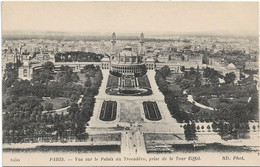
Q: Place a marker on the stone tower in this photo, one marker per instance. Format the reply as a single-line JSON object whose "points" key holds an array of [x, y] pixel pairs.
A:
{"points": [[113, 49], [142, 49], [25, 71]]}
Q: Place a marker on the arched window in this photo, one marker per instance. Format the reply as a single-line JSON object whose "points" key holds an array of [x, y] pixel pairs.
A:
{"points": [[25, 73]]}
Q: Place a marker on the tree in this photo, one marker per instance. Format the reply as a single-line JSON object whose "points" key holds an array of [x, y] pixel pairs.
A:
{"points": [[87, 82], [73, 108], [212, 75], [48, 66], [43, 75], [195, 109], [214, 125], [182, 68], [21, 88], [239, 112], [197, 81], [64, 104], [253, 105], [74, 77], [165, 71], [186, 83], [74, 97], [178, 79], [206, 72], [48, 106], [38, 108], [193, 130], [186, 75], [68, 76], [192, 70], [198, 69], [162, 84], [204, 101], [190, 131], [224, 128], [230, 78], [172, 101], [44, 118], [62, 68], [11, 75]]}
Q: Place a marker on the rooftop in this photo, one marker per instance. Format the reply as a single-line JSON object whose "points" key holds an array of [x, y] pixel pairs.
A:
{"points": [[231, 66]]}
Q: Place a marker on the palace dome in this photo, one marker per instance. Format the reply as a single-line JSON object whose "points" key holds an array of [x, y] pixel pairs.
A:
{"points": [[127, 53], [128, 61]]}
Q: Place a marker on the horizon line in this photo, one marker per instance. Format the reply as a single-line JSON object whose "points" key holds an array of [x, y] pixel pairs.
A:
{"points": [[212, 32]]}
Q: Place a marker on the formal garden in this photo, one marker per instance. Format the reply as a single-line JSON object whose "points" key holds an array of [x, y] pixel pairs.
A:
{"points": [[151, 111], [141, 86], [108, 111]]}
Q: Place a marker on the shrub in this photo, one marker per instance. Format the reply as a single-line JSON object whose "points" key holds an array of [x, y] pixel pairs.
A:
{"points": [[195, 109], [48, 106]]}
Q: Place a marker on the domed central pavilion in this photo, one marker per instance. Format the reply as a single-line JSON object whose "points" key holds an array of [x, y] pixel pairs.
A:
{"points": [[128, 71], [127, 61]]}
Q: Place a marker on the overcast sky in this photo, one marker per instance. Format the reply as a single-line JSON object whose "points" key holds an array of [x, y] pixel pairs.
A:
{"points": [[130, 16]]}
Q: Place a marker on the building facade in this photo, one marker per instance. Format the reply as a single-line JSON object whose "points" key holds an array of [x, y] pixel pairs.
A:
{"points": [[128, 61]]}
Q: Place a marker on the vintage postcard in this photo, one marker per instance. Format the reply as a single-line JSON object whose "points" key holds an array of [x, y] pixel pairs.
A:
{"points": [[130, 83]]}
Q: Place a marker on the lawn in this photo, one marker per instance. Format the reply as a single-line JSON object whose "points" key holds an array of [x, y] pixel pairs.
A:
{"points": [[128, 83], [57, 102], [144, 82], [172, 77], [213, 102], [186, 106], [130, 111], [106, 137], [174, 87], [112, 81]]}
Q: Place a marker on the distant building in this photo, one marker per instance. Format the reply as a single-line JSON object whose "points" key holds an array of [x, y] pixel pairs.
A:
{"points": [[9, 56], [231, 68], [251, 66], [25, 72], [42, 58]]}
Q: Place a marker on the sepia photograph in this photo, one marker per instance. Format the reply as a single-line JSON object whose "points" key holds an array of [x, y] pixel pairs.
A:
{"points": [[136, 83]]}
